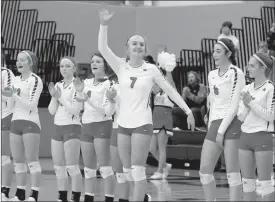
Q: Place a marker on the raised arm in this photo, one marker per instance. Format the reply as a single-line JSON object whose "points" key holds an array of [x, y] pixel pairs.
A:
{"points": [[268, 112], [238, 82], [170, 91], [114, 61], [34, 95]]}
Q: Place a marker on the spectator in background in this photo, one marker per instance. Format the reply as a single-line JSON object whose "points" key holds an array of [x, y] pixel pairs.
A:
{"points": [[271, 38], [194, 94], [226, 33], [263, 47]]}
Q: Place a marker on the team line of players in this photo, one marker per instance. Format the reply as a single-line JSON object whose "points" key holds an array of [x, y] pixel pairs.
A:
{"points": [[240, 122]]}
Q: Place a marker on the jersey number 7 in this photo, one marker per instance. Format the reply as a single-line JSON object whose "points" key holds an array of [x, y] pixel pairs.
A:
{"points": [[134, 79]]}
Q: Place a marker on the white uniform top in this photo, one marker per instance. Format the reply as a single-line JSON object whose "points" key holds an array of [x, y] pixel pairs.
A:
{"points": [[224, 95], [162, 99], [135, 86], [259, 116], [7, 80], [116, 114], [65, 110], [97, 108], [26, 101]]}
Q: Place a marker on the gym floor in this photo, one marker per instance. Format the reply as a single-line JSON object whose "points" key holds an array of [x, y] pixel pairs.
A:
{"points": [[181, 185]]}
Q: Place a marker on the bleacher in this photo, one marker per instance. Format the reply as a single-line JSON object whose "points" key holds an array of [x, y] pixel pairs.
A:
{"points": [[22, 31]]}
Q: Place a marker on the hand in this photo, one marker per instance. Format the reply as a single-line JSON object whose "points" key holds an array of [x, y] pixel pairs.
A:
{"points": [[111, 93], [78, 85], [246, 98], [205, 119], [104, 14], [219, 140], [54, 92], [8, 91], [191, 122]]}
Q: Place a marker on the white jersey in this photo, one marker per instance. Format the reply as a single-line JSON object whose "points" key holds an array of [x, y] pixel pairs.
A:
{"points": [[225, 92], [259, 116], [116, 114], [97, 108], [65, 110], [26, 100], [7, 80], [162, 99], [135, 84]]}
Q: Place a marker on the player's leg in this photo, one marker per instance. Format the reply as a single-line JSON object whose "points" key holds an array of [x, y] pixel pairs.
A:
{"points": [[209, 157], [72, 153], [162, 143], [140, 143], [18, 156], [264, 156], [122, 183], [102, 149], [89, 161], [6, 164]]}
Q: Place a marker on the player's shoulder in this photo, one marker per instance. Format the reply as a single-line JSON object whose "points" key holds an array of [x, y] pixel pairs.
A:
{"points": [[235, 70], [213, 72], [270, 85], [35, 78], [88, 81]]}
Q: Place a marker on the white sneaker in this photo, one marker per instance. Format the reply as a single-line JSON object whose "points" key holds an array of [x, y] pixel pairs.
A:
{"points": [[176, 129], [4, 198], [157, 176], [166, 170], [30, 199], [14, 199]]}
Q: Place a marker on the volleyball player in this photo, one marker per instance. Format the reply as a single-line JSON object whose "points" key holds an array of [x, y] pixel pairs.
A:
{"points": [[7, 167], [225, 84], [162, 117], [257, 113], [65, 144], [25, 126], [97, 128], [136, 78]]}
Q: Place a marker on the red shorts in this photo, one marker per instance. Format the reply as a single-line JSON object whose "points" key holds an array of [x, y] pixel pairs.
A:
{"points": [[233, 131], [67, 132], [6, 123], [145, 130], [101, 129], [21, 127], [114, 137], [260, 141]]}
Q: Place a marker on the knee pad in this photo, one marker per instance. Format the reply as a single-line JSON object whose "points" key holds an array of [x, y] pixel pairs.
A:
{"points": [[234, 179], [106, 171], [266, 187], [120, 178], [20, 168], [206, 178], [127, 174], [138, 173], [89, 173], [60, 172], [34, 167], [73, 170], [5, 160], [249, 185]]}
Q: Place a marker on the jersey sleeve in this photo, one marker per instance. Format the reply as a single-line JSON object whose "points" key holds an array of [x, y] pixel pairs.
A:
{"points": [[268, 112], [72, 106], [114, 61], [238, 82], [53, 104], [243, 110], [36, 88], [7, 78], [160, 80]]}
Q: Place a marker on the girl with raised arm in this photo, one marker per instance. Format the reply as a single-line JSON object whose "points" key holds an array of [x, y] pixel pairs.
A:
{"points": [[135, 126]]}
